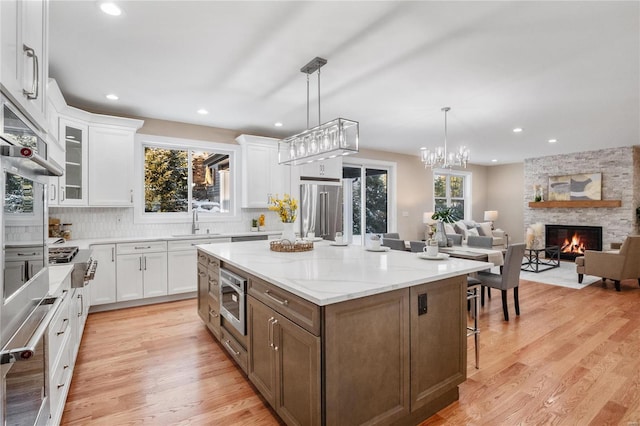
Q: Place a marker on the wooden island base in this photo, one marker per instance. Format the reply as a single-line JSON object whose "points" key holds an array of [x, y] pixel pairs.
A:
{"points": [[392, 358]]}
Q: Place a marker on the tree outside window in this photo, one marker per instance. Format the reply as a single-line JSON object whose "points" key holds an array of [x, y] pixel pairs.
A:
{"points": [[449, 191]]}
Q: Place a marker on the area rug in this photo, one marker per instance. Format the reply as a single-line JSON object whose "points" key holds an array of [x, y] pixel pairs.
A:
{"points": [[564, 276]]}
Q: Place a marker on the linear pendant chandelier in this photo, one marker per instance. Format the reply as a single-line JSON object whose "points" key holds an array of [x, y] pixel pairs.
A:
{"points": [[441, 157], [329, 140]]}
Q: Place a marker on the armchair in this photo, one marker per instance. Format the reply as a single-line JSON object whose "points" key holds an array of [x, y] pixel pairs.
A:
{"points": [[616, 266]]}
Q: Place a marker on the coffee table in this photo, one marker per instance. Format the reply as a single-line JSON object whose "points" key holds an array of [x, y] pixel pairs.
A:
{"points": [[533, 262]]}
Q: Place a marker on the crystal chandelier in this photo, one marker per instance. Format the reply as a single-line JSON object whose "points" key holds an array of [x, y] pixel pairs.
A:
{"points": [[441, 157], [327, 140]]}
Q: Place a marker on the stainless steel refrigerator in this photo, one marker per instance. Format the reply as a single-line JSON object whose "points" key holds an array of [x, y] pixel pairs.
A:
{"points": [[320, 210]]}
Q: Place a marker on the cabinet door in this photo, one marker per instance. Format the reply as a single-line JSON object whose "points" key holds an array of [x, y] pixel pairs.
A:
{"points": [[203, 291], [329, 168], [73, 184], [434, 371], [154, 268], [34, 61], [256, 176], [261, 368], [298, 372], [103, 286], [182, 271], [9, 25], [129, 277], [110, 166], [56, 153]]}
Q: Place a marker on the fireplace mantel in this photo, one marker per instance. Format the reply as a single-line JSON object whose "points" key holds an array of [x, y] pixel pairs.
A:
{"points": [[574, 204]]}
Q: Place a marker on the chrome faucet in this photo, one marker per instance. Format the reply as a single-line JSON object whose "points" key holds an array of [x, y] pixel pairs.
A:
{"points": [[194, 222]]}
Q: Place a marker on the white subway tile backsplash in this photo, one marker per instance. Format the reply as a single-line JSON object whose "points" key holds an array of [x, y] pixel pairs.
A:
{"points": [[99, 222]]}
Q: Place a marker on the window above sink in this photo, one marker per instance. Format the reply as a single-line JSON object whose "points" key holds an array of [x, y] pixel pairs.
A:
{"points": [[177, 177]]}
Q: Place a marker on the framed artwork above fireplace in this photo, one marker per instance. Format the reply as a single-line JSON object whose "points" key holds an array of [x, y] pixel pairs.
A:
{"points": [[585, 186]]}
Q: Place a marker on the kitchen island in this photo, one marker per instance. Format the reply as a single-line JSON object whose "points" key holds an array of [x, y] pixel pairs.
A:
{"points": [[341, 335]]}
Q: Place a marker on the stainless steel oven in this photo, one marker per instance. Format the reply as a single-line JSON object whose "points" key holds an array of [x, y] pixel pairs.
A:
{"points": [[233, 290], [25, 312]]}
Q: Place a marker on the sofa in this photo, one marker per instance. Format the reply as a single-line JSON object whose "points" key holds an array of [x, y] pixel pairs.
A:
{"points": [[465, 228]]}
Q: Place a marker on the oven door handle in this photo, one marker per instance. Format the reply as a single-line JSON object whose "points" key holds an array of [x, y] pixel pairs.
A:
{"points": [[25, 353]]}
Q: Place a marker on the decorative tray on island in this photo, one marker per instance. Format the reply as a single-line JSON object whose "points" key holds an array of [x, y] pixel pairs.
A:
{"points": [[287, 246]]}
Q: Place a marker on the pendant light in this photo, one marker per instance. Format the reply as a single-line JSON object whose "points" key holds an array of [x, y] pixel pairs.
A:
{"points": [[441, 157]]}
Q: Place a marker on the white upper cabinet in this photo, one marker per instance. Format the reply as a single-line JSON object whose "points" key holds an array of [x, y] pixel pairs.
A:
{"points": [[262, 176], [111, 164], [330, 168], [72, 188], [24, 54]]}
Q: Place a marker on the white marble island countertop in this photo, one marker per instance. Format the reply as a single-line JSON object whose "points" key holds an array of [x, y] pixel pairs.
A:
{"points": [[331, 274]]}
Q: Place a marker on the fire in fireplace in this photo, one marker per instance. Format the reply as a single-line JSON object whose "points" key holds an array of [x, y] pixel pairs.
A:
{"points": [[573, 240]]}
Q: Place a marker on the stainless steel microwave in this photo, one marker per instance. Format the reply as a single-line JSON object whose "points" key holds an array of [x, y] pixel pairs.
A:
{"points": [[17, 130]]}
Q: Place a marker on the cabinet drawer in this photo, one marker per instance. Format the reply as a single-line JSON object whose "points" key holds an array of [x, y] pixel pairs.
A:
{"points": [[59, 329], [208, 261], [141, 247], [61, 377], [213, 321], [214, 286], [190, 244], [234, 348], [295, 308]]}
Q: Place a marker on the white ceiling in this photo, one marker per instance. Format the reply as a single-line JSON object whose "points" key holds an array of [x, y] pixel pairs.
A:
{"points": [[564, 70]]}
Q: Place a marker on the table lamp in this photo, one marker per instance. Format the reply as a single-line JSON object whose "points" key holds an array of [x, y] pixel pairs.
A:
{"points": [[491, 216]]}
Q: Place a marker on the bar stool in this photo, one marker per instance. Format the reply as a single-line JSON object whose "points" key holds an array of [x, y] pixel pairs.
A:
{"points": [[473, 295]]}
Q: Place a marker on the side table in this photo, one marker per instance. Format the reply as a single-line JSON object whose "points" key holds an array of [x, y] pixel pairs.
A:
{"points": [[533, 262]]}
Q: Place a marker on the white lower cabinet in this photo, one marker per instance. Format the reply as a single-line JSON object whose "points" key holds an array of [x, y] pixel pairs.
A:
{"points": [[141, 270], [103, 285], [63, 341], [182, 263]]}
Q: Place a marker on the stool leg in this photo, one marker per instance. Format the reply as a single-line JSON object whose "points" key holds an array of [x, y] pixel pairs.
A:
{"points": [[515, 300], [580, 278]]}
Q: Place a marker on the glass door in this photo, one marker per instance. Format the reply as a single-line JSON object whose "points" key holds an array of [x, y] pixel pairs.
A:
{"points": [[73, 185], [366, 200]]}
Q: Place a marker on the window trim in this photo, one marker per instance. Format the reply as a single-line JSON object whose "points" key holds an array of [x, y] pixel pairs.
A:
{"points": [[142, 141], [467, 188]]}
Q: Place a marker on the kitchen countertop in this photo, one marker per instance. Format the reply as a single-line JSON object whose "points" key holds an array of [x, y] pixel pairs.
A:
{"points": [[57, 274], [85, 243], [331, 274]]}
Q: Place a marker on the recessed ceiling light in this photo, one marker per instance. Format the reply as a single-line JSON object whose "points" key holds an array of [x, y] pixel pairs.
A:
{"points": [[202, 111], [278, 124], [494, 160], [553, 140], [112, 97], [517, 130], [110, 9]]}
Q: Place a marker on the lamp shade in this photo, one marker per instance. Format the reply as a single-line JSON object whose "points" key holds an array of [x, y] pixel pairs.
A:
{"points": [[426, 218], [491, 215]]}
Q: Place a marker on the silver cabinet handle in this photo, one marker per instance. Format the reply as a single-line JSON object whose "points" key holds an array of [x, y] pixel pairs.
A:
{"points": [[270, 331], [227, 343], [35, 85], [283, 302], [113, 254], [142, 247], [140, 263], [131, 194], [62, 194], [53, 192], [273, 334], [27, 254], [145, 262], [63, 327], [81, 305], [213, 313], [60, 385]]}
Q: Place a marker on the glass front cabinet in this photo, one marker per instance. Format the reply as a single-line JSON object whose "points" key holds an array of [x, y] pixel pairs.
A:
{"points": [[72, 186]]}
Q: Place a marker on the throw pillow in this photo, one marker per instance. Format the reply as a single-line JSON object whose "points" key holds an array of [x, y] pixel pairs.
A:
{"points": [[473, 231], [448, 229], [484, 229], [460, 228]]}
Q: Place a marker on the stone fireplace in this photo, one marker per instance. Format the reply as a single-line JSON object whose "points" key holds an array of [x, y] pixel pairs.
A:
{"points": [[573, 240]]}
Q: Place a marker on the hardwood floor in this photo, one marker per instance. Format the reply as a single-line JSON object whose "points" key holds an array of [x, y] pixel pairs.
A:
{"points": [[571, 358]]}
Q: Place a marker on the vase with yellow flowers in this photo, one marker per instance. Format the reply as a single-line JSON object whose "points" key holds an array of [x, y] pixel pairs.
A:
{"points": [[287, 208]]}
